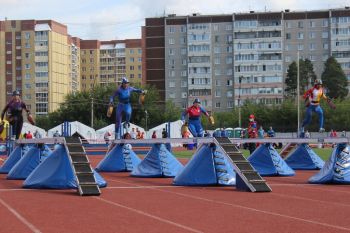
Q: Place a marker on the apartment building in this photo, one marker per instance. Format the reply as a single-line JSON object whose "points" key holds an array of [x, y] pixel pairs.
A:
{"points": [[105, 62], [228, 59], [35, 60]]}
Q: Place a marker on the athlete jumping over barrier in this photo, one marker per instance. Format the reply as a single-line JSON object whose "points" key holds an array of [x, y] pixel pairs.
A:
{"points": [[14, 110], [123, 93], [194, 114], [312, 99]]}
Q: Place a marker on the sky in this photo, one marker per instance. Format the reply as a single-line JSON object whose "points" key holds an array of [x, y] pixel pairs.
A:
{"points": [[122, 19]]}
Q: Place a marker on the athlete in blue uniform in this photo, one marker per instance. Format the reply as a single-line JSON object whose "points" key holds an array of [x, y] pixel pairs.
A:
{"points": [[123, 93], [194, 114]]}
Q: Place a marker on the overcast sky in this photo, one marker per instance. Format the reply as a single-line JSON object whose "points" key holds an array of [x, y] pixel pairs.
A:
{"points": [[122, 19]]}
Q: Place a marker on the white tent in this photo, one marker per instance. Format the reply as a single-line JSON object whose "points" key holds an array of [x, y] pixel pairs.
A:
{"points": [[76, 127], [111, 128], [32, 128], [175, 129]]}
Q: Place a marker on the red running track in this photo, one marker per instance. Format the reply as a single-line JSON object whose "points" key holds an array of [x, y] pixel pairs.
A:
{"points": [[131, 204]]}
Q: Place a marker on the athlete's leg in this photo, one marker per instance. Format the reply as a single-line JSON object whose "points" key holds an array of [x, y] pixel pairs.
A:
{"points": [[118, 120], [319, 111], [192, 128], [307, 119]]}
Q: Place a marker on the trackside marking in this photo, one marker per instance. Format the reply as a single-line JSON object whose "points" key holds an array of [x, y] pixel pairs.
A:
{"points": [[143, 187], [149, 215], [257, 210], [20, 217], [249, 208], [313, 186]]}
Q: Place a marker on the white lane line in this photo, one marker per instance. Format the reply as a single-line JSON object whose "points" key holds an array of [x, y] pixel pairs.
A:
{"points": [[315, 187], [259, 211], [309, 199], [20, 217], [149, 215], [142, 187], [249, 208]]}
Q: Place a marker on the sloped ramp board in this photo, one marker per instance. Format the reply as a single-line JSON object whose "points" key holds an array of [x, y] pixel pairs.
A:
{"points": [[247, 179], [13, 158], [159, 162], [287, 149], [207, 167], [120, 158], [56, 172], [304, 158], [336, 169], [266, 160], [84, 175]]}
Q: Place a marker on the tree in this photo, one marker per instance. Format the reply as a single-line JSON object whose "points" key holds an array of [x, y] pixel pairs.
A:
{"points": [[306, 77], [334, 79]]}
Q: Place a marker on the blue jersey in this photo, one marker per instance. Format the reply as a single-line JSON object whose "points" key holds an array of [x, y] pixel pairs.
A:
{"points": [[124, 94]]}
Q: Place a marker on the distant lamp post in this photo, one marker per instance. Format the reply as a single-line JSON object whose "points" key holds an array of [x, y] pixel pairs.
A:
{"points": [[239, 101], [146, 116]]}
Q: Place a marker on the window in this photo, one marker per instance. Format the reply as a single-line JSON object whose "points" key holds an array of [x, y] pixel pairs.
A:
{"points": [[172, 84], [139, 59], [217, 82], [217, 60], [324, 35], [171, 29], [312, 24], [300, 35], [139, 76], [216, 27], [132, 59], [27, 45], [171, 52], [312, 35], [139, 51], [184, 62], [300, 24], [183, 51], [27, 76], [183, 40], [183, 29], [229, 104], [288, 24], [132, 68], [325, 45], [27, 55], [131, 51], [171, 41], [217, 49], [184, 73], [312, 46], [27, 86], [287, 59], [229, 82], [184, 83], [139, 68], [228, 27], [132, 76], [288, 36], [27, 35], [218, 93], [217, 104], [27, 66], [300, 46], [325, 23]]}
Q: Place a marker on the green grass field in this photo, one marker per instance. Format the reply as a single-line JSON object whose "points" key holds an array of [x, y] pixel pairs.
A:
{"points": [[324, 153]]}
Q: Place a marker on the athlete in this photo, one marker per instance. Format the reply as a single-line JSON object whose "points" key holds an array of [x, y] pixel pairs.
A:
{"points": [[123, 93], [194, 114], [252, 132], [14, 110], [312, 99]]}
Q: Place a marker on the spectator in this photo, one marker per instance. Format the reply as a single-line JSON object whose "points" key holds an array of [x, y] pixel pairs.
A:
{"points": [[164, 133], [37, 134], [142, 136], [56, 134], [106, 137], [154, 135], [29, 135], [333, 134], [223, 133], [307, 134], [127, 135], [206, 134], [261, 132], [133, 133], [138, 133], [271, 133]]}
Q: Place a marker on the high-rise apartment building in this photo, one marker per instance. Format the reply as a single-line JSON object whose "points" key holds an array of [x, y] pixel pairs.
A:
{"points": [[226, 58], [104, 62], [35, 59]]}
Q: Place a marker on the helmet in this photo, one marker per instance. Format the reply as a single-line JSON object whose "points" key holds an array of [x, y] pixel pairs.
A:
{"points": [[196, 100], [125, 80], [15, 93], [318, 82], [251, 116]]}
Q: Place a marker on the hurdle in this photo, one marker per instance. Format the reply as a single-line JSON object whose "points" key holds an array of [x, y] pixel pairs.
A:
{"points": [[82, 171]]}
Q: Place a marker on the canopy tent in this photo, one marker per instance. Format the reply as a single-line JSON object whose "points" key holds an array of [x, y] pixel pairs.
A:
{"points": [[175, 129], [84, 131], [111, 128], [32, 128]]}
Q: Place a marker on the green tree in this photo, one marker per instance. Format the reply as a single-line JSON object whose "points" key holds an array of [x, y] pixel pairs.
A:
{"points": [[334, 79], [306, 77]]}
